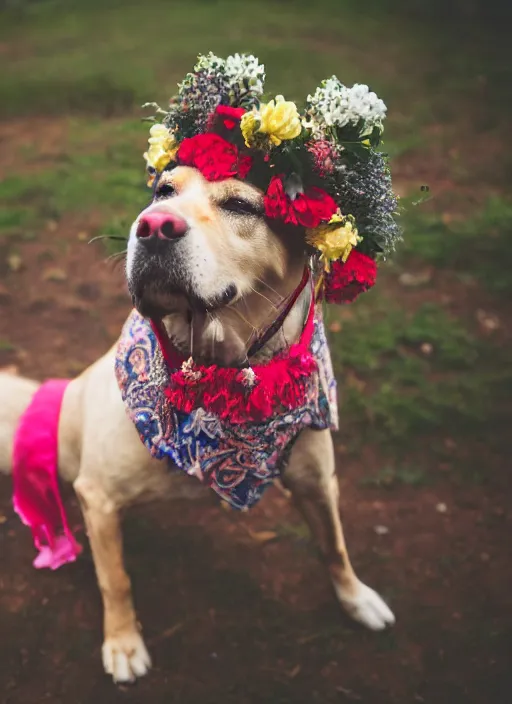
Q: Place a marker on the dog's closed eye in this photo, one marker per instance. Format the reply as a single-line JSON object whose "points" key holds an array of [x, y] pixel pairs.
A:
{"points": [[166, 190], [239, 206]]}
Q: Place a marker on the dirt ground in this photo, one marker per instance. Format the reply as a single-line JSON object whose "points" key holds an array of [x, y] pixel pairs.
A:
{"points": [[237, 608]]}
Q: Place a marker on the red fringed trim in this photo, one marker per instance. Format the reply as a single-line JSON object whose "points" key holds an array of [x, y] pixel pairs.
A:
{"points": [[227, 392], [245, 395]]}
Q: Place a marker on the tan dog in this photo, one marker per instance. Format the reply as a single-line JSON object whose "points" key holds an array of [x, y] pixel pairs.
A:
{"points": [[203, 257]]}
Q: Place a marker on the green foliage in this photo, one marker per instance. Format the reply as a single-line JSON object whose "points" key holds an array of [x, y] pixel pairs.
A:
{"points": [[390, 477], [479, 244], [407, 375], [109, 180]]}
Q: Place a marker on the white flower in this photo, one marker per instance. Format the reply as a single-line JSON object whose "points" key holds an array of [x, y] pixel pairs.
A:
{"points": [[209, 62], [337, 106], [240, 67], [248, 377]]}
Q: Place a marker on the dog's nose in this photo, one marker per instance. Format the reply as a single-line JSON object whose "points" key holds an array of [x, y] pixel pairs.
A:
{"points": [[165, 226]]}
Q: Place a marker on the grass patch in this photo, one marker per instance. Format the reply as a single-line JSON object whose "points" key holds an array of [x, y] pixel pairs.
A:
{"points": [[109, 180], [6, 346], [479, 245], [409, 375], [390, 477]]}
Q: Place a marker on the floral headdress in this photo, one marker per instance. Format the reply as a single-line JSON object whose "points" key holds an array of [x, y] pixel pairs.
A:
{"points": [[320, 170]]}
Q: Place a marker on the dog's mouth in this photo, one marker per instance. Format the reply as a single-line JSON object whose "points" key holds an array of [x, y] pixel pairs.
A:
{"points": [[160, 302]]}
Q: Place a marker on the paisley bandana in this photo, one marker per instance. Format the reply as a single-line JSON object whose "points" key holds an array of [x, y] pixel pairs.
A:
{"points": [[238, 461]]}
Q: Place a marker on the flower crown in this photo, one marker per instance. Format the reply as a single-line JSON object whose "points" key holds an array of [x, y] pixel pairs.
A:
{"points": [[319, 169]]}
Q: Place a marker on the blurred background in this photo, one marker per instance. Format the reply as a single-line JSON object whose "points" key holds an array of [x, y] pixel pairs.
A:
{"points": [[236, 608]]}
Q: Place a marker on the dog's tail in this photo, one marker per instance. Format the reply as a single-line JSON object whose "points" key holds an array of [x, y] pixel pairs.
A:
{"points": [[15, 396]]}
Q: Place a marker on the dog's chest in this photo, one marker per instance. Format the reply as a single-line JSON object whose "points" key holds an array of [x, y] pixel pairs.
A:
{"points": [[238, 461]]}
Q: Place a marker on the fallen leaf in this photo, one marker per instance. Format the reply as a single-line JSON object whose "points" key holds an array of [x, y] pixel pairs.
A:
{"points": [[262, 536], [167, 633], [488, 321], [348, 693], [54, 274], [73, 304], [419, 278], [381, 530], [294, 672], [15, 262]]}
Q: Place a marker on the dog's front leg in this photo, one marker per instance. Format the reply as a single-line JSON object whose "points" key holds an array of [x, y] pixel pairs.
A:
{"points": [[124, 654], [311, 478]]}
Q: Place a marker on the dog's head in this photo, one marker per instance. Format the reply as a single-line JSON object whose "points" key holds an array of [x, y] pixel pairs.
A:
{"points": [[212, 249], [204, 245], [201, 247]]}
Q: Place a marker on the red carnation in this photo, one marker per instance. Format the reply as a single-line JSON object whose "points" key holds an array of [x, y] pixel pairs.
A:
{"points": [[308, 209], [215, 157], [230, 116], [346, 281]]}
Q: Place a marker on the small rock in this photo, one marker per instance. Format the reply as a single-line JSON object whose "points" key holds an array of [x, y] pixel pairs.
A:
{"points": [[488, 321], [427, 348], [441, 508], [74, 305], [419, 278], [381, 530], [14, 262], [54, 274]]}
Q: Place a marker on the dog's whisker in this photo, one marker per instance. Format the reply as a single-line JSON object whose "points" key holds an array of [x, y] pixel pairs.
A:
{"points": [[117, 255], [254, 330], [265, 298], [119, 238], [261, 281]]}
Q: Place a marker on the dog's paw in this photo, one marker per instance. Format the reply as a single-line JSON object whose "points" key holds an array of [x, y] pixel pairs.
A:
{"points": [[367, 607], [125, 657]]}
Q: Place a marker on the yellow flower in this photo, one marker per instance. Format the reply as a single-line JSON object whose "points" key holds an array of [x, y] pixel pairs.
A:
{"points": [[280, 120], [334, 240], [162, 147], [249, 125]]}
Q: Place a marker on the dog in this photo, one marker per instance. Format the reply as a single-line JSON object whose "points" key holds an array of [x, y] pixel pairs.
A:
{"points": [[204, 260]]}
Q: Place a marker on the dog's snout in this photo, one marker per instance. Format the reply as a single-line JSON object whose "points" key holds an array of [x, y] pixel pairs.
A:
{"points": [[165, 226]]}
